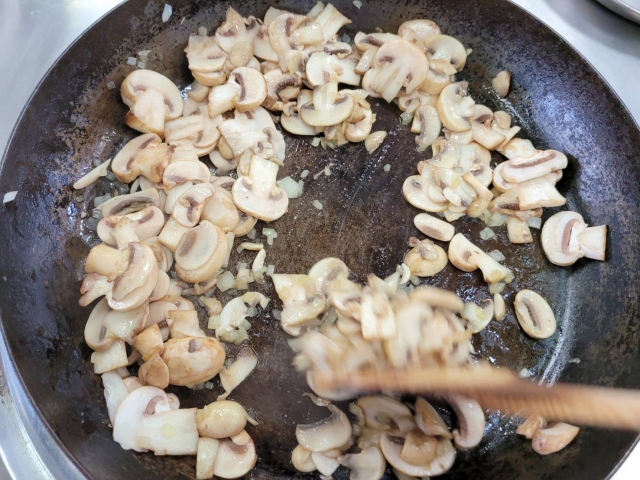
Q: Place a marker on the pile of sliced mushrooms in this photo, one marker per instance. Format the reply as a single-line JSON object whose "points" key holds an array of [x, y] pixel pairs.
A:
{"points": [[172, 234]]}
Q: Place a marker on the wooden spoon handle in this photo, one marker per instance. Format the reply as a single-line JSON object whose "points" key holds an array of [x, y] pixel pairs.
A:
{"points": [[500, 389]]}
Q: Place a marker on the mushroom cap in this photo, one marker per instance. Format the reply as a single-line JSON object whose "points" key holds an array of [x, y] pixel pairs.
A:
{"points": [[369, 464], [257, 194], [471, 421], [391, 447], [193, 360], [454, 107], [560, 237], [534, 314], [426, 259], [221, 419], [190, 205], [252, 88], [386, 413], [184, 171], [146, 223], [201, 252], [445, 51], [139, 82], [301, 298], [124, 165], [132, 287], [329, 107], [236, 456], [326, 434], [423, 29]]}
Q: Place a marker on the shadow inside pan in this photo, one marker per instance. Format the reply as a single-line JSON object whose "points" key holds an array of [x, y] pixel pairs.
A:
{"points": [[74, 120]]}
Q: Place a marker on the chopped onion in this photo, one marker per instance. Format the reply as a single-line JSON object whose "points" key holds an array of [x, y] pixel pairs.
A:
{"points": [[387, 168], [317, 204], [225, 281], [495, 220], [315, 142], [254, 247], [131, 61], [301, 186], [487, 234], [166, 13], [214, 322], [277, 314], [252, 234], [327, 170], [144, 53], [270, 233], [357, 4], [202, 31], [406, 118], [524, 373], [295, 344], [497, 255], [497, 287], [290, 187], [414, 279], [234, 336], [111, 85], [142, 65], [574, 360], [271, 269], [304, 174], [9, 196], [535, 222]]}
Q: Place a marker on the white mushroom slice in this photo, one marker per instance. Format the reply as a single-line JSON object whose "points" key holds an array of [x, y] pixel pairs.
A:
{"points": [[328, 106], [251, 87], [398, 64], [509, 204], [184, 324], [553, 438], [455, 189], [435, 82], [330, 20], [221, 98], [421, 30], [281, 88], [193, 360], [560, 238], [470, 421], [392, 445], [357, 131], [419, 449], [195, 131], [534, 314], [484, 196], [593, 242], [258, 195], [110, 359], [478, 317], [262, 46], [130, 203], [434, 227], [416, 191], [301, 459], [499, 306], [190, 204], [236, 29], [181, 172], [481, 128], [454, 106], [302, 300], [519, 231], [144, 421], [521, 169], [221, 419], [126, 165], [234, 313], [149, 339], [539, 192], [221, 211], [245, 224], [467, 257], [326, 434], [201, 252], [204, 55], [152, 98], [210, 79], [529, 427], [154, 371], [426, 122], [198, 92], [369, 464], [236, 456], [246, 130], [207, 452], [171, 234], [386, 413], [429, 420], [115, 391], [426, 259], [105, 326], [446, 54], [146, 223], [232, 376], [501, 83], [132, 383], [323, 67], [517, 147]]}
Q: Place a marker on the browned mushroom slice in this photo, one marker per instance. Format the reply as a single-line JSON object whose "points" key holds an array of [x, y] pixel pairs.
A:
{"points": [[193, 360]]}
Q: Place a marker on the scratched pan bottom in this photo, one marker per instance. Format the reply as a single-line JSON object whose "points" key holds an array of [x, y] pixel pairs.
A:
{"points": [[561, 103]]}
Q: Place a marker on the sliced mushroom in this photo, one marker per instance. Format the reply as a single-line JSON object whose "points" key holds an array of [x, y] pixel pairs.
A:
{"points": [[484, 196], [245, 130], [184, 324], [478, 317], [171, 234], [386, 413], [467, 257], [126, 164], [197, 132], [419, 31], [193, 360], [518, 230], [323, 67], [392, 445], [534, 314], [235, 30], [201, 252], [235, 312], [471, 421], [328, 107], [154, 372], [446, 54], [517, 147], [115, 391], [417, 188], [455, 106], [181, 173], [326, 434], [593, 242], [529, 427], [429, 420], [149, 339], [419, 449], [236, 456], [398, 64], [426, 122], [501, 83], [499, 306], [190, 205], [207, 452], [145, 421], [521, 169], [435, 82], [221, 419], [105, 326], [539, 192], [369, 464], [152, 98], [330, 20], [553, 438], [509, 204], [252, 88], [434, 227], [301, 459], [560, 238], [130, 203], [221, 211], [232, 376], [426, 259], [146, 223], [258, 195], [110, 359], [205, 55], [481, 128]]}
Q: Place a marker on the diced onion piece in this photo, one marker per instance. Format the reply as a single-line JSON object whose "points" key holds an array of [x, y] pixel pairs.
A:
{"points": [[315, 142], [290, 187], [271, 269], [497, 255], [524, 373], [277, 314], [131, 61], [357, 4], [374, 140], [111, 85], [230, 238], [270, 233], [9, 196], [254, 247], [317, 205], [487, 234], [166, 13], [535, 222], [304, 173], [225, 281], [202, 31], [387, 168], [497, 287], [214, 322]]}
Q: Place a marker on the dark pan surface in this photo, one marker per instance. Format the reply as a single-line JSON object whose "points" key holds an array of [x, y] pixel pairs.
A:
{"points": [[73, 119]]}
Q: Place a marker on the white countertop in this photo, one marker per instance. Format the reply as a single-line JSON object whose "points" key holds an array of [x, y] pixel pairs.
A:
{"points": [[35, 32]]}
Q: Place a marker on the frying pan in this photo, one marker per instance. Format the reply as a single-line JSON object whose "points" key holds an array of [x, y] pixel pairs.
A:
{"points": [[74, 120]]}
